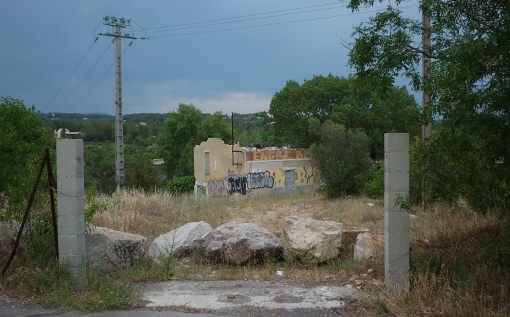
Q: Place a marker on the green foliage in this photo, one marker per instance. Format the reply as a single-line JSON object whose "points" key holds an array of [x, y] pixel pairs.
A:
{"points": [[181, 185], [183, 130], [214, 126], [23, 140], [141, 172], [100, 167], [351, 102], [178, 140], [371, 181], [456, 166], [468, 87], [52, 287], [93, 205], [341, 155]]}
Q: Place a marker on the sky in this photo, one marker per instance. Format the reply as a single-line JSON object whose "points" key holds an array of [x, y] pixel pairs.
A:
{"points": [[220, 55]]}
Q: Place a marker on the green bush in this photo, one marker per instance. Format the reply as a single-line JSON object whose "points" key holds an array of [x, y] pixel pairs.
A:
{"points": [[182, 185], [371, 181], [341, 155]]}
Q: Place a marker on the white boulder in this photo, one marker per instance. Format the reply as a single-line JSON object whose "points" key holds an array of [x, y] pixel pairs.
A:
{"points": [[238, 243], [180, 242], [310, 240]]}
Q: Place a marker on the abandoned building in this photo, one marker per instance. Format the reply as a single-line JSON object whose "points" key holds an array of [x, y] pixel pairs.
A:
{"points": [[223, 170]]}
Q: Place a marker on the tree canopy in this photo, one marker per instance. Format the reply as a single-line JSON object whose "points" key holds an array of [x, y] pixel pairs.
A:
{"points": [[23, 140], [351, 102], [468, 83], [183, 129]]}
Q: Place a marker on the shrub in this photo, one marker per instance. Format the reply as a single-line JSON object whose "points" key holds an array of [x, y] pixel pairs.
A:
{"points": [[341, 155], [182, 185], [371, 181]]}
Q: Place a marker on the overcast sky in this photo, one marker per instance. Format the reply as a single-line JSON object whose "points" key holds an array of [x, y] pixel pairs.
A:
{"points": [[220, 55]]}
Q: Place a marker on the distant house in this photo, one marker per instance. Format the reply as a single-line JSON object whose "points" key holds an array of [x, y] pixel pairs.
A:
{"points": [[68, 134], [223, 170]]}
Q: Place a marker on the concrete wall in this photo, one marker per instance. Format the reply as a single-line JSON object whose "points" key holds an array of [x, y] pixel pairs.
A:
{"points": [[254, 172]]}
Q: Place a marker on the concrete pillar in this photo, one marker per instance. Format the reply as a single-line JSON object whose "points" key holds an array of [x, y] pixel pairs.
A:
{"points": [[71, 206], [396, 221]]}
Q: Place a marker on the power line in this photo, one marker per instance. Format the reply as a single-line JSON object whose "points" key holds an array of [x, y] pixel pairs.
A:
{"points": [[79, 63], [94, 85], [100, 57], [240, 18], [274, 23], [72, 73]]}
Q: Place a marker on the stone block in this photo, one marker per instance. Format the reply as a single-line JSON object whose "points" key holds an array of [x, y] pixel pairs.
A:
{"points": [[396, 142]]}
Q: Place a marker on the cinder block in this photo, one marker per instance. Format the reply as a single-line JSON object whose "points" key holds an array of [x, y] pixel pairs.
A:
{"points": [[396, 261], [70, 244], [396, 241], [73, 166], [396, 182], [396, 142], [71, 224], [71, 186], [396, 221], [397, 282], [397, 162], [69, 149], [391, 201], [70, 206]]}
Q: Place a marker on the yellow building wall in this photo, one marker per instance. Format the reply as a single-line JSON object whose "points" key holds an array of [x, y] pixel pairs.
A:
{"points": [[265, 173]]}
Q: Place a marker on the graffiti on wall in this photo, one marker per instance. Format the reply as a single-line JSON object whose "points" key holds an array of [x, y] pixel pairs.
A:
{"points": [[308, 174], [218, 188], [237, 184], [260, 180], [273, 179]]}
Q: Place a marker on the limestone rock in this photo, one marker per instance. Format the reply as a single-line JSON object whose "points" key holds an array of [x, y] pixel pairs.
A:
{"points": [[310, 240], [238, 243], [368, 246], [109, 249], [180, 242]]}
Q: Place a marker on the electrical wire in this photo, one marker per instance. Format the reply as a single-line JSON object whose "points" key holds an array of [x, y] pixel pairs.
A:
{"points": [[273, 23], [100, 57], [72, 73], [209, 23], [239, 19], [74, 70], [94, 85]]}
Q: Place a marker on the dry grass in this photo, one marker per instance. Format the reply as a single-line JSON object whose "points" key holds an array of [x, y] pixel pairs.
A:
{"points": [[449, 277], [152, 214]]}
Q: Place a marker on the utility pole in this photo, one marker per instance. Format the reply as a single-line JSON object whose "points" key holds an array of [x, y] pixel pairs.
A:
{"points": [[427, 117], [426, 111], [118, 24]]}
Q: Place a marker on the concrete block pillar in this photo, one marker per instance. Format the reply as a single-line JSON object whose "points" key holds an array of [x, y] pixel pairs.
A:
{"points": [[396, 221], [71, 206]]}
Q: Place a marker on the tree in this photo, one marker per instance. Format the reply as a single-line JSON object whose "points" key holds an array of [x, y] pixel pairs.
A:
{"points": [[178, 140], [341, 155], [351, 102], [23, 140], [100, 167], [468, 85], [214, 126]]}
